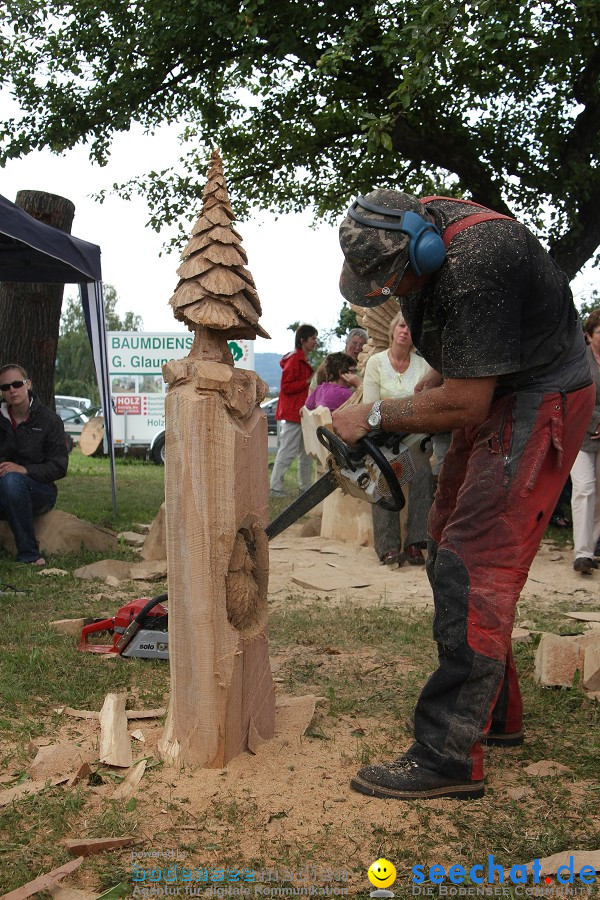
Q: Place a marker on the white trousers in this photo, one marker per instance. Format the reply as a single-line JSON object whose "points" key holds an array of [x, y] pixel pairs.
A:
{"points": [[290, 446], [585, 503]]}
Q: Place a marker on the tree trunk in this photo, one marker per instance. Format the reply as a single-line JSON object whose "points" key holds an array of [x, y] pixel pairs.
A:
{"points": [[29, 312]]}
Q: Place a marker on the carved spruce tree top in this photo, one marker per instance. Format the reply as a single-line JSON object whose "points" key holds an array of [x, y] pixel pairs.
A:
{"points": [[216, 290]]}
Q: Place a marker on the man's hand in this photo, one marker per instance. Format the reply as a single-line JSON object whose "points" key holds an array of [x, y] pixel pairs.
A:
{"points": [[433, 379], [350, 424], [6, 467]]}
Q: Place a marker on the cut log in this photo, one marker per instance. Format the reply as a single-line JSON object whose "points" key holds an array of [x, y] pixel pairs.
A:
{"points": [[117, 568], [60, 532], [89, 846], [115, 743], [44, 882]]}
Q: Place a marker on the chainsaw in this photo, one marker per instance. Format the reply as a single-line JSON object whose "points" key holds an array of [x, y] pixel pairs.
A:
{"points": [[374, 470]]}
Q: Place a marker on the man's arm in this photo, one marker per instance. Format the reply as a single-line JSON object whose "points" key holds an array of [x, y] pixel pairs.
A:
{"points": [[457, 403]]}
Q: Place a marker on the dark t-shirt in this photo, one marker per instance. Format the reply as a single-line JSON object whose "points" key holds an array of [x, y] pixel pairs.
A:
{"points": [[498, 306]]}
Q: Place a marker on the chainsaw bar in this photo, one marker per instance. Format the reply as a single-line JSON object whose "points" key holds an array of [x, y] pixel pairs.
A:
{"points": [[322, 488]]}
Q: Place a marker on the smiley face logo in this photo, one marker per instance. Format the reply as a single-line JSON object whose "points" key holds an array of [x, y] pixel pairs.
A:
{"points": [[382, 873]]}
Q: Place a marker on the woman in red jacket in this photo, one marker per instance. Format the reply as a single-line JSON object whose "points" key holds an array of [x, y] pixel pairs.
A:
{"points": [[292, 396]]}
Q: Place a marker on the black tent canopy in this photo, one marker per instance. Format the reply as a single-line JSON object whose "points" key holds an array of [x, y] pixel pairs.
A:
{"points": [[31, 251]]}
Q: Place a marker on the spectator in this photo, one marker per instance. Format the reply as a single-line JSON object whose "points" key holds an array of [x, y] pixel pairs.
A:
{"points": [[355, 341], [295, 379], [395, 373], [33, 455], [340, 380], [585, 474]]}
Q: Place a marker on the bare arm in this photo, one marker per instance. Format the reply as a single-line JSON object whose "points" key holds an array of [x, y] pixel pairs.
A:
{"points": [[457, 403]]}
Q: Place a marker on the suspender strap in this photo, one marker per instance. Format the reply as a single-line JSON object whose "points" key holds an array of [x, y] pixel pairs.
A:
{"points": [[475, 219]]}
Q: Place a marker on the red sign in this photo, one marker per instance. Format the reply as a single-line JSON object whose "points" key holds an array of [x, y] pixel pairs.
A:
{"points": [[131, 404]]}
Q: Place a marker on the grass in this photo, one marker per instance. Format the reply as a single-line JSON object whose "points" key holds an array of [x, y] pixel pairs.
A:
{"points": [[367, 664]]}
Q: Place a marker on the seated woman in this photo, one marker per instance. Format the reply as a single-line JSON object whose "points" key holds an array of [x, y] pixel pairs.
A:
{"points": [[33, 455], [395, 373], [337, 381]]}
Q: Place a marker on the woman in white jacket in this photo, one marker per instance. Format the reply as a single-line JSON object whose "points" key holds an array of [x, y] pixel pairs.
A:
{"points": [[395, 373]]}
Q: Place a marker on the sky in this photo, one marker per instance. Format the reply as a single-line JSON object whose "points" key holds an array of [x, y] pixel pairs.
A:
{"points": [[296, 268]]}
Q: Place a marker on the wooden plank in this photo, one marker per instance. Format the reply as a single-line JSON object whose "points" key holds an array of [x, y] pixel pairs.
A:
{"points": [[146, 713], [44, 882], [88, 846], [115, 743]]}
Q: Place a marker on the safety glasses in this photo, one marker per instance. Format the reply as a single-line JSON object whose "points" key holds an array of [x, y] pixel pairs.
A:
{"points": [[11, 384]]}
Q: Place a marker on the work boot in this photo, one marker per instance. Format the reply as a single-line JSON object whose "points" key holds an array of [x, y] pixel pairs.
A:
{"points": [[403, 779], [413, 555], [585, 565], [504, 739]]}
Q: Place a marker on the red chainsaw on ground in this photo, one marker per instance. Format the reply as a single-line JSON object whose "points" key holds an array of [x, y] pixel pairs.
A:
{"points": [[374, 470], [140, 628]]}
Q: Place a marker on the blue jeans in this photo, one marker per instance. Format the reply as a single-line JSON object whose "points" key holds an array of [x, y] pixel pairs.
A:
{"points": [[22, 498]]}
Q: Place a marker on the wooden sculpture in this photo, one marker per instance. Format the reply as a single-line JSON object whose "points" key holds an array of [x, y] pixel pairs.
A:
{"points": [[216, 492]]}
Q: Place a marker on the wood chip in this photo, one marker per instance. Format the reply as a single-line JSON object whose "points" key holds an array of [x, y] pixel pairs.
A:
{"points": [[54, 572], [138, 735], [88, 846], [311, 587], [81, 713], [68, 626], [115, 744], [44, 882], [584, 616], [130, 783], [546, 767]]}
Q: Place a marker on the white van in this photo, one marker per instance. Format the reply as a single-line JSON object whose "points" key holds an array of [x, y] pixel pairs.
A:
{"points": [[78, 402]]}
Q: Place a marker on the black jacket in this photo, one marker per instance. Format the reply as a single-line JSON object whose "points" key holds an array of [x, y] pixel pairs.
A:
{"points": [[38, 444]]}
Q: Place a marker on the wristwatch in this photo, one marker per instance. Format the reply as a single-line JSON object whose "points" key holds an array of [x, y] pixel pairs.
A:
{"points": [[374, 417]]}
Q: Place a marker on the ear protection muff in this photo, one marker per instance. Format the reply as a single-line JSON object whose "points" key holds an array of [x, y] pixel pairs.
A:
{"points": [[426, 249]]}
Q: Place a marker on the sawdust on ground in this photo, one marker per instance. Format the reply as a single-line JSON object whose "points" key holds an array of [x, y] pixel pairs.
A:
{"points": [[291, 800]]}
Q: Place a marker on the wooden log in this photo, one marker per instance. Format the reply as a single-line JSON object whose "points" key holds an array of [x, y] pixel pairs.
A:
{"points": [[43, 882], [115, 743], [216, 509]]}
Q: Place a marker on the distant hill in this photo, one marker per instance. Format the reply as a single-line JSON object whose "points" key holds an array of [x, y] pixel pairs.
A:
{"points": [[267, 366]]}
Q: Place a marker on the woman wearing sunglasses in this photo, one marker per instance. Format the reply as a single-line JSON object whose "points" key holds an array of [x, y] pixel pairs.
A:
{"points": [[33, 455]]}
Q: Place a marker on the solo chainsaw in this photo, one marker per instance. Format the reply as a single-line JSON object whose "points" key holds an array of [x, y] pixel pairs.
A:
{"points": [[374, 470]]}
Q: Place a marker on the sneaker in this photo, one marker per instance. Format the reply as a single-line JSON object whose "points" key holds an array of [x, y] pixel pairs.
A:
{"points": [[585, 565], [273, 493], [504, 738], [413, 555], [404, 779]]}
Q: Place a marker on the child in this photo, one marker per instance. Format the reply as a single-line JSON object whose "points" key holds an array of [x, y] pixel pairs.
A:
{"points": [[340, 380]]}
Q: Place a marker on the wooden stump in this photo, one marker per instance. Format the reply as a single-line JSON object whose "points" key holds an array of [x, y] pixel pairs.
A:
{"points": [[216, 508]]}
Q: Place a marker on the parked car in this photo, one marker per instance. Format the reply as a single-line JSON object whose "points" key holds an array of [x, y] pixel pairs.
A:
{"points": [[269, 406], [74, 420]]}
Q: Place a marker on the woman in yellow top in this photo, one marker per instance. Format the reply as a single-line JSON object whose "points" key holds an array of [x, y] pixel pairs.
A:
{"points": [[395, 373]]}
